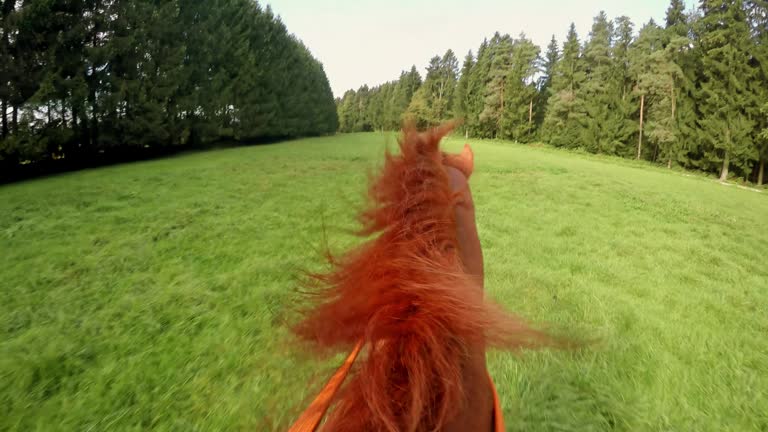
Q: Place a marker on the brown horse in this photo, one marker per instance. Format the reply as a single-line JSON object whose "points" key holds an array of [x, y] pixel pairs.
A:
{"points": [[411, 299]]}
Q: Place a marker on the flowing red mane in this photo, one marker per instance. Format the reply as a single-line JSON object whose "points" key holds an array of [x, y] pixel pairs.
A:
{"points": [[406, 295]]}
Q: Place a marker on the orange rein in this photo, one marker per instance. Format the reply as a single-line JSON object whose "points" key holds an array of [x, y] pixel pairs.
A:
{"points": [[311, 417], [309, 420]]}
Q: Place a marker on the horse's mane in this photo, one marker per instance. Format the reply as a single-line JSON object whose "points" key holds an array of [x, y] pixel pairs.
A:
{"points": [[406, 295]]}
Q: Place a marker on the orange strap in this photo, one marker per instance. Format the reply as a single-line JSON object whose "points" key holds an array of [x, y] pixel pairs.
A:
{"points": [[498, 418], [311, 417]]}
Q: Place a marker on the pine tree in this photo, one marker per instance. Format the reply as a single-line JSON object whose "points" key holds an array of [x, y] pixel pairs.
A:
{"points": [[724, 40], [406, 88], [757, 16], [603, 122], [496, 89], [676, 19], [419, 110], [461, 97], [640, 67], [551, 57], [347, 112], [432, 101], [624, 99], [426, 102], [623, 40], [663, 83], [548, 64], [679, 49], [7, 63], [445, 86], [478, 80], [517, 117], [119, 77], [561, 127]]}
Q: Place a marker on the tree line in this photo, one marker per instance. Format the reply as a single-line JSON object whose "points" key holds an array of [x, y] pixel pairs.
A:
{"points": [[690, 92], [82, 78]]}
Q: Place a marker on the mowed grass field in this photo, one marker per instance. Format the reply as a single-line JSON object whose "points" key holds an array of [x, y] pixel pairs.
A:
{"points": [[154, 295]]}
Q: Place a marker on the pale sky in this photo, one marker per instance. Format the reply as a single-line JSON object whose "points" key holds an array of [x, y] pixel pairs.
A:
{"points": [[369, 42]]}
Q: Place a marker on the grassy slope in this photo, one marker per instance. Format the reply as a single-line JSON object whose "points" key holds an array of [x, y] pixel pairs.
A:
{"points": [[152, 295]]}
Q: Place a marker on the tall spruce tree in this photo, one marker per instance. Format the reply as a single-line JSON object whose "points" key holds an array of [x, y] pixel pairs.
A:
{"points": [[548, 64], [561, 122], [478, 79], [724, 38], [649, 41], [624, 99], [663, 82], [445, 86], [496, 89], [431, 103], [603, 124], [757, 17], [520, 95], [407, 86], [680, 50], [461, 96]]}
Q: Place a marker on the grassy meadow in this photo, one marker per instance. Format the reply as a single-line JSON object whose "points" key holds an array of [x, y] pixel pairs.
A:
{"points": [[154, 295]]}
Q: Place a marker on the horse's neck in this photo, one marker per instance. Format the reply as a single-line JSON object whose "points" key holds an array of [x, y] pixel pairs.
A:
{"points": [[478, 412]]}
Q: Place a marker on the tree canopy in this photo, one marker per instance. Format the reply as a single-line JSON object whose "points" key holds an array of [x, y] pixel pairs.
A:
{"points": [[125, 77], [690, 92]]}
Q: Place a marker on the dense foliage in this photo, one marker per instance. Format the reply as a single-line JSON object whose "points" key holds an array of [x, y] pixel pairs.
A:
{"points": [[692, 92], [121, 77]]}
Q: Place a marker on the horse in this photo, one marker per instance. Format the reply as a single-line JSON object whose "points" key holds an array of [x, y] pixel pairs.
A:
{"points": [[408, 304]]}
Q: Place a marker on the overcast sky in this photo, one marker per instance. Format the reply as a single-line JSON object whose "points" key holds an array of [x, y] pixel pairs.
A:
{"points": [[368, 42]]}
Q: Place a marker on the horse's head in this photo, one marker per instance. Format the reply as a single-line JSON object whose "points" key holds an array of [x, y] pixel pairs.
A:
{"points": [[408, 298]]}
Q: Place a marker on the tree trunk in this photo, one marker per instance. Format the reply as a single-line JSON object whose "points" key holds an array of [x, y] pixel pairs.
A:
{"points": [[673, 122], [440, 101], [466, 133], [15, 119], [640, 140], [530, 117], [64, 113], [4, 108], [724, 172], [502, 99], [501, 112], [674, 101], [74, 119], [761, 172], [93, 124]]}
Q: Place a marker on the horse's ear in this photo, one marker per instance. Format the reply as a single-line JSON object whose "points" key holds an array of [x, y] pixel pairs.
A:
{"points": [[468, 156], [464, 161]]}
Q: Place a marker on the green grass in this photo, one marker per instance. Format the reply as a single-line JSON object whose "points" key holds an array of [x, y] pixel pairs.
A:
{"points": [[153, 295]]}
